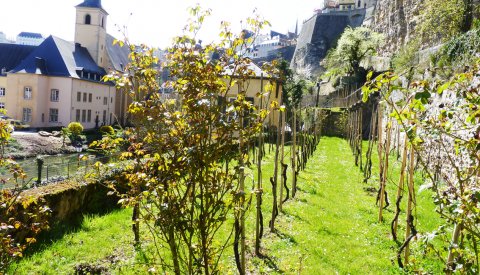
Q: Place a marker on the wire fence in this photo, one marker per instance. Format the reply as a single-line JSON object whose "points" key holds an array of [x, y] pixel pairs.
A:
{"points": [[76, 166], [344, 102]]}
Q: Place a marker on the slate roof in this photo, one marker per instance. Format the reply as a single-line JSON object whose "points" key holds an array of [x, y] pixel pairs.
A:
{"points": [[30, 34], [118, 55], [57, 57], [91, 4], [96, 4], [12, 54]]}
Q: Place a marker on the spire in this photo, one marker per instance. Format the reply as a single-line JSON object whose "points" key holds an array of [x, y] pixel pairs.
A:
{"points": [[296, 28]]}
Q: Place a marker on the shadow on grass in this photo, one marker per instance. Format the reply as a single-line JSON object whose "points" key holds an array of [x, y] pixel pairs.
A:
{"points": [[58, 230], [270, 262], [285, 236]]}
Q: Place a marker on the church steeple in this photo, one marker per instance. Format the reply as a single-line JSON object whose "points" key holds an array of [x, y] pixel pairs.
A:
{"points": [[90, 29]]}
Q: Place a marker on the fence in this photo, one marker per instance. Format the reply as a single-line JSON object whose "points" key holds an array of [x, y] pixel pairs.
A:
{"points": [[343, 102], [57, 171]]}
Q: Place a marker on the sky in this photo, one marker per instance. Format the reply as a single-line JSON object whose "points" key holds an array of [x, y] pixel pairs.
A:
{"points": [[151, 22]]}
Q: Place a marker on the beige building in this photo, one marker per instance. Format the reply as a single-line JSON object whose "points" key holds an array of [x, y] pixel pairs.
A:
{"points": [[58, 82], [255, 85]]}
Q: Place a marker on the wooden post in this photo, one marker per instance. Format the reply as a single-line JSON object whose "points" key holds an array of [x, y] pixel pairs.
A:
{"points": [[282, 152], [383, 184], [451, 253], [411, 197], [294, 153], [401, 183], [380, 160], [241, 179], [275, 176], [259, 191]]}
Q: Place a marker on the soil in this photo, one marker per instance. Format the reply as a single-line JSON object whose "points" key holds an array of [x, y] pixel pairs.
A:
{"points": [[31, 144]]}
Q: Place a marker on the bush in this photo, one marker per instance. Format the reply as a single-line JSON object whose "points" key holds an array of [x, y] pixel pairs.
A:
{"points": [[75, 128], [107, 130]]}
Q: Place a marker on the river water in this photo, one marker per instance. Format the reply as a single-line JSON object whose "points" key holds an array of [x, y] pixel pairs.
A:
{"points": [[54, 167]]}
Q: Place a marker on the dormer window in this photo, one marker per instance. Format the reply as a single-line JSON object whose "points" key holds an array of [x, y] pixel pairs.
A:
{"points": [[88, 19]]}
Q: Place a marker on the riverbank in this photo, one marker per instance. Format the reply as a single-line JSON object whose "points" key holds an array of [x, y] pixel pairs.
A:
{"points": [[31, 144]]}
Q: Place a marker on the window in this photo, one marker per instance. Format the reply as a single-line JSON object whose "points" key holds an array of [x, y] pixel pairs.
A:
{"points": [[53, 117], [89, 97], [54, 95], [88, 19], [111, 100], [77, 118], [84, 115], [79, 96], [104, 119], [2, 105], [105, 101], [84, 97], [2, 91], [27, 115], [89, 116], [27, 93]]}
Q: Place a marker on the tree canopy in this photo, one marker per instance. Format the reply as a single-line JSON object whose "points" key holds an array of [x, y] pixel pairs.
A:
{"points": [[352, 48]]}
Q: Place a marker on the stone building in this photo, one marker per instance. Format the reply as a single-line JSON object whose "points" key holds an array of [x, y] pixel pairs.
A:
{"points": [[57, 82]]}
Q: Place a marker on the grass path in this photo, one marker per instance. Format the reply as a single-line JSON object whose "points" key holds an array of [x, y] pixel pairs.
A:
{"points": [[331, 225], [329, 228]]}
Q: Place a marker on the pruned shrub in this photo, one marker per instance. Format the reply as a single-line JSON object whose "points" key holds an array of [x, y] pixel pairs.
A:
{"points": [[107, 130], [75, 128]]}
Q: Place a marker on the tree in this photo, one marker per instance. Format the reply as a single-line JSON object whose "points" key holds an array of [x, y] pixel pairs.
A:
{"points": [[180, 182], [354, 46]]}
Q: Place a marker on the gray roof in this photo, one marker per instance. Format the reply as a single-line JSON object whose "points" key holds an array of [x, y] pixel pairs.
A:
{"points": [[91, 4], [12, 54], [57, 57], [30, 34], [118, 55], [96, 4]]}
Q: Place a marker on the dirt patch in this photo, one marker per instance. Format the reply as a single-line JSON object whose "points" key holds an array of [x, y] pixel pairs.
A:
{"points": [[30, 144]]}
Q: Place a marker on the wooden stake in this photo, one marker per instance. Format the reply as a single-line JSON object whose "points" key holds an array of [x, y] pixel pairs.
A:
{"points": [[383, 182], [411, 196], [282, 152], [401, 183], [380, 159], [294, 153]]}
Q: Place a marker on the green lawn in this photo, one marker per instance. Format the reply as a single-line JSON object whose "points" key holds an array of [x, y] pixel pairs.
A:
{"points": [[329, 228]]}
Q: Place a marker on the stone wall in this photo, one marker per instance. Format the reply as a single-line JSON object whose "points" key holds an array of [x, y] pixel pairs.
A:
{"points": [[318, 35], [397, 20], [70, 201]]}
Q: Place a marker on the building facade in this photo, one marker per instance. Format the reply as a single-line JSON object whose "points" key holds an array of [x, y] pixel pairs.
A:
{"points": [[29, 38], [57, 82]]}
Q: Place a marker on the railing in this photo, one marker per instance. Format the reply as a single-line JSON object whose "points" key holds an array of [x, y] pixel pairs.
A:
{"points": [[344, 102], [56, 172]]}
